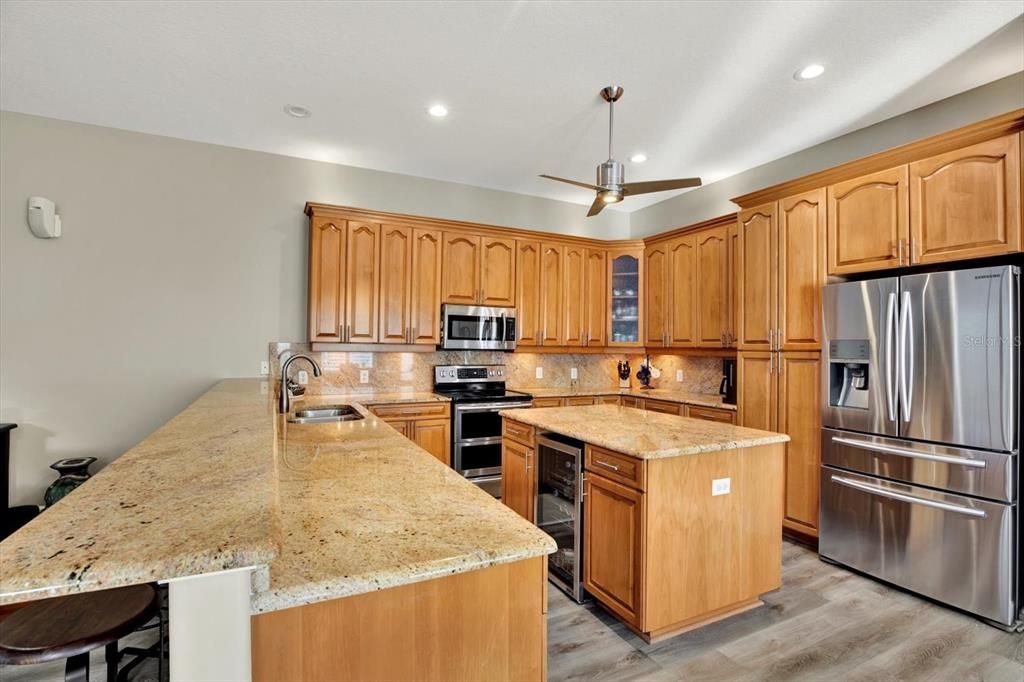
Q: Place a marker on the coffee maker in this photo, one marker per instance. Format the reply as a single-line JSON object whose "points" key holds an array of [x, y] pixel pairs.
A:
{"points": [[727, 389]]}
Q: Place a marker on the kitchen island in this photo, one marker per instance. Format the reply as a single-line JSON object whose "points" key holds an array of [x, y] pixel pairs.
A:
{"points": [[682, 517], [299, 551]]}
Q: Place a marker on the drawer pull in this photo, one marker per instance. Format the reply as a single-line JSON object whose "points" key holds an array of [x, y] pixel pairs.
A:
{"points": [[902, 497], [902, 452], [606, 465]]}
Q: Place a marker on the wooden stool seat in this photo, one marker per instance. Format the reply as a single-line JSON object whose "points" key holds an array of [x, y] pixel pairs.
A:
{"points": [[65, 627]]}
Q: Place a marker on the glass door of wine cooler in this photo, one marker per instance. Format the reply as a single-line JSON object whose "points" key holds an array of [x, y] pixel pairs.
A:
{"points": [[560, 508]]}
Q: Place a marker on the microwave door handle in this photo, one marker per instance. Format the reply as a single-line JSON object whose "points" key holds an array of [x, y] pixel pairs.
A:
{"points": [[890, 343]]}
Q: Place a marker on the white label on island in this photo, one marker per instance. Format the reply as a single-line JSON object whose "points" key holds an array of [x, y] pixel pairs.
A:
{"points": [[720, 486]]}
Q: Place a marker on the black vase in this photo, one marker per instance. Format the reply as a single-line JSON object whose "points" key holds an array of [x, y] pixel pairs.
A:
{"points": [[73, 471]]}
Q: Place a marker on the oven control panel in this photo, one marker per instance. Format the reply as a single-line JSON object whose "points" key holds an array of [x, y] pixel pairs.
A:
{"points": [[454, 374]]}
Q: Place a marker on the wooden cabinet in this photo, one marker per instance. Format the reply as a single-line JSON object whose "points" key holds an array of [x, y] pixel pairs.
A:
{"points": [[362, 282], [580, 400], [801, 271], [713, 414], [613, 528], [574, 284], [528, 293], [869, 222], [478, 270], [681, 292], [426, 424], [631, 401], [757, 390], [626, 283], [663, 406], [966, 203], [547, 402], [799, 416], [595, 298], [656, 304], [326, 279], [732, 269], [410, 293], [711, 284], [755, 306], [518, 480], [551, 299]]}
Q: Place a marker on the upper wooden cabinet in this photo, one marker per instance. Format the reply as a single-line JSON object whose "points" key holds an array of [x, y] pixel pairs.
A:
{"points": [[362, 282], [552, 257], [425, 296], [626, 296], [528, 293], [478, 270], [711, 304], [326, 279], [410, 293], [966, 203], [595, 298], [681, 292], [801, 270], [755, 305], [869, 222], [656, 281], [573, 292]]}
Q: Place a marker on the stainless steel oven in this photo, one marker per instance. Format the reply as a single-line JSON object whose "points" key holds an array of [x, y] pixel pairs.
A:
{"points": [[474, 327]]}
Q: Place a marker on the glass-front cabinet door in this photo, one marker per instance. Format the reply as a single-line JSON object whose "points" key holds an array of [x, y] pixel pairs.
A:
{"points": [[625, 297]]}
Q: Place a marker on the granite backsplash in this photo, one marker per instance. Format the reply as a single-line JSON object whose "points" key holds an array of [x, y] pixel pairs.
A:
{"points": [[415, 371]]}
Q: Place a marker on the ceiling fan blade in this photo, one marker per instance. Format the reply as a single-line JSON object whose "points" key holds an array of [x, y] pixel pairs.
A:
{"points": [[571, 182], [596, 207], [632, 188]]}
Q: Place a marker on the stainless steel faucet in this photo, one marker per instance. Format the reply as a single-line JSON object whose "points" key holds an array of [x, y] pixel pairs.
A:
{"points": [[284, 400]]}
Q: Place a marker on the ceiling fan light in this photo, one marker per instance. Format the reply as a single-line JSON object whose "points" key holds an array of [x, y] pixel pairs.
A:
{"points": [[611, 197]]}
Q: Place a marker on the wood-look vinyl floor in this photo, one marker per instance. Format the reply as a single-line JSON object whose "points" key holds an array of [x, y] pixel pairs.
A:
{"points": [[824, 624]]}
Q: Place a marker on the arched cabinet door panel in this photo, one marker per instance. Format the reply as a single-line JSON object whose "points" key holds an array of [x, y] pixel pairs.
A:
{"points": [[869, 222]]}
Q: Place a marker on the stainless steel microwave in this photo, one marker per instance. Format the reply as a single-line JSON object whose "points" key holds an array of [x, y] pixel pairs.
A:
{"points": [[474, 327]]}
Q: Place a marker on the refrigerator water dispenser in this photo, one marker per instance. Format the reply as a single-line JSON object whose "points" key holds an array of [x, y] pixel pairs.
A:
{"points": [[849, 373]]}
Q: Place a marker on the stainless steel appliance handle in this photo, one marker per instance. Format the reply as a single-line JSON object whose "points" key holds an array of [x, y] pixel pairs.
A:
{"points": [[903, 452], [606, 465], [902, 497], [890, 341], [906, 355], [485, 407]]}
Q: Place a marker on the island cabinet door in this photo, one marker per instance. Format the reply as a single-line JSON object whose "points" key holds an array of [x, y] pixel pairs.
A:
{"points": [[517, 480], [613, 522]]}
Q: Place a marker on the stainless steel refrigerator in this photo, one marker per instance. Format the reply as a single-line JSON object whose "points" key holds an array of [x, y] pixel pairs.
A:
{"points": [[921, 420]]}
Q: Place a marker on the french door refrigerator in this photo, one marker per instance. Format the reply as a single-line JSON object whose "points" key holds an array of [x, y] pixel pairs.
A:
{"points": [[920, 468]]}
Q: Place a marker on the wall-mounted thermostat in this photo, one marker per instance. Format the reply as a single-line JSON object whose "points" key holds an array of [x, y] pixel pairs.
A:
{"points": [[42, 218]]}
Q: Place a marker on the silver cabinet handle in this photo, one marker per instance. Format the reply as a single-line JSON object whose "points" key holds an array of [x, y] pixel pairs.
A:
{"points": [[528, 465], [906, 355], [902, 497], [583, 483], [778, 338], [606, 465], [904, 452], [890, 340]]}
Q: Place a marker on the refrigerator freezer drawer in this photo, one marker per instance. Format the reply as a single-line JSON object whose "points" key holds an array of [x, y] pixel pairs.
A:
{"points": [[954, 549], [977, 473]]}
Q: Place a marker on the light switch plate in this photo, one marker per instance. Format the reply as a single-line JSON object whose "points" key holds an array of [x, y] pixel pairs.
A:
{"points": [[679, 375], [573, 373], [720, 486], [303, 377], [364, 376], [265, 367], [540, 373]]}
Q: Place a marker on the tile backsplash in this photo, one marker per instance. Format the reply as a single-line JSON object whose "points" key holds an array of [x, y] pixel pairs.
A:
{"points": [[415, 371]]}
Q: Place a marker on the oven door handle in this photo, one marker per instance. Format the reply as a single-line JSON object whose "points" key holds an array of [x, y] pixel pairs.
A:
{"points": [[902, 497], [489, 407]]}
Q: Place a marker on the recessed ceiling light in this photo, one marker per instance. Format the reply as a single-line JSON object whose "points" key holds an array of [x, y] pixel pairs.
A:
{"points": [[297, 111], [638, 158], [808, 72], [438, 111]]}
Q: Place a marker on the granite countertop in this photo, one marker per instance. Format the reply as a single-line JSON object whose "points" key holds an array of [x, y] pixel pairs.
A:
{"points": [[372, 398], [320, 510], [643, 434], [666, 394]]}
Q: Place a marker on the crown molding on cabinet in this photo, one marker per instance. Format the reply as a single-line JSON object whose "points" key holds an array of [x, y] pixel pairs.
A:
{"points": [[988, 129], [722, 220]]}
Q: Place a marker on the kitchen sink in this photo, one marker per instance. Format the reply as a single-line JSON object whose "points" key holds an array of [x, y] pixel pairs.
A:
{"points": [[325, 413]]}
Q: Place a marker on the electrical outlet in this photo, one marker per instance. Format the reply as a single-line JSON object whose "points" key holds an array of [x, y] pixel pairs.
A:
{"points": [[303, 377], [264, 388], [720, 486], [573, 373], [679, 375], [265, 367], [539, 373], [364, 376]]}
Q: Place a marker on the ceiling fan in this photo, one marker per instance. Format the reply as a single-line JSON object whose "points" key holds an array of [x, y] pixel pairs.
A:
{"points": [[611, 186]]}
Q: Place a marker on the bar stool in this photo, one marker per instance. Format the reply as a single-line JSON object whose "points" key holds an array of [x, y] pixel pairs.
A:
{"points": [[72, 626]]}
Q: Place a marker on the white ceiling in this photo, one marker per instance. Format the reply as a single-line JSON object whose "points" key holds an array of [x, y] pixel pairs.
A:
{"points": [[708, 85]]}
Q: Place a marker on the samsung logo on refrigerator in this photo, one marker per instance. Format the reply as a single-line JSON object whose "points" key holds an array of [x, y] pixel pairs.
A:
{"points": [[987, 276]]}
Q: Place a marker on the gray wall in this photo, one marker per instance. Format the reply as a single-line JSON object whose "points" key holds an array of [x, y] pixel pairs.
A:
{"points": [[712, 200], [179, 262]]}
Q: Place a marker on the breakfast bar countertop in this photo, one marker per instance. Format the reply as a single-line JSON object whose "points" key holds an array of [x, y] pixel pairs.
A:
{"points": [[640, 433]]}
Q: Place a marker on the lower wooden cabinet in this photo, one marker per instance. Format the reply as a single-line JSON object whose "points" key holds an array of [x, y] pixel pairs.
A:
{"points": [[631, 401], [518, 478], [663, 406], [426, 424], [547, 402], [612, 532], [581, 400], [711, 414]]}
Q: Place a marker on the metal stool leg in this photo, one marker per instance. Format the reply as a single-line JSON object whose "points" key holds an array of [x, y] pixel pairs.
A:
{"points": [[112, 655], [77, 668]]}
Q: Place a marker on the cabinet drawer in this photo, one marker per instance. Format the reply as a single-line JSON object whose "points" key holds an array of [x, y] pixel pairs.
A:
{"points": [[410, 410], [630, 401], [662, 406], [584, 400], [617, 467], [711, 414], [547, 402], [517, 431], [608, 400]]}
